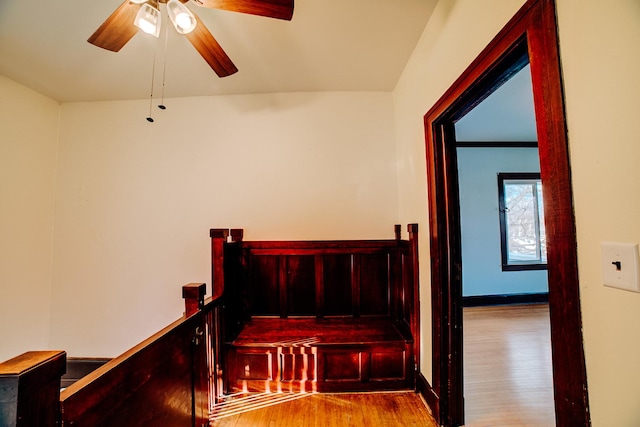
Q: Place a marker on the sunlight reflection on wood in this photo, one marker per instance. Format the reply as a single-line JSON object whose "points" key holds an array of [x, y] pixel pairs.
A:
{"points": [[508, 379]]}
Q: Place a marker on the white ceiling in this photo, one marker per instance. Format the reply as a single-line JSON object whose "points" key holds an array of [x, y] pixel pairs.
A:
{"points": [[330, 45]]}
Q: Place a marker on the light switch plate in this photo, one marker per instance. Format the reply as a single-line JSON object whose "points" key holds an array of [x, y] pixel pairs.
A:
{"points": [[620, 266]]}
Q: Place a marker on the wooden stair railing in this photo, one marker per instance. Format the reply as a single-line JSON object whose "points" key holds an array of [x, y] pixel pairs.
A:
{"points": [[30, 389], [167, 380]]}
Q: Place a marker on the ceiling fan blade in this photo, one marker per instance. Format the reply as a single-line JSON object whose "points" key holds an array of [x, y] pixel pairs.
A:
{"points": [[118, 29], [280, 9], [210, 49]]}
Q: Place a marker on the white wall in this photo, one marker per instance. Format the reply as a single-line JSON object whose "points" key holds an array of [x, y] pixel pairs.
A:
{"points": [[599, 50], [599, 45], [135, 201], [482, 273], [28, 139]]}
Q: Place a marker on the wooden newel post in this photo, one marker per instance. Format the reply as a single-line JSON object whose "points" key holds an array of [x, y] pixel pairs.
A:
{"points": [[193, 295], [218, 239], [30, 389], [413, 238], [237, 234]]}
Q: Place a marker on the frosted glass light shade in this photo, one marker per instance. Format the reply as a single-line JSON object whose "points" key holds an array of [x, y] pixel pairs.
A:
{"points": [[148, 20], [181, 17]]}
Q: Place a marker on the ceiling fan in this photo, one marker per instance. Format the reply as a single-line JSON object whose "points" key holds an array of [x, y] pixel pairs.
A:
{"points": [[132, 15]]}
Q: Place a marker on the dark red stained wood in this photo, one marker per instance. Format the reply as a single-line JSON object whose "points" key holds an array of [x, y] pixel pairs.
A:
{"points": [[387, 365], [337, 272], [280, 9], [350, 353], [30, 389], [318, 332], [193, 295], [301, 285], [158, 382], [264, 283], [532, 31], [282, 276], [237, 234], [218, 238], [374, 284], [569, 371], [319, 285], [340, 366], [316, 303], [412, 313]]}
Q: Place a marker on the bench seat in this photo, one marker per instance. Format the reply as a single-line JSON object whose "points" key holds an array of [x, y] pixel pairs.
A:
{"points": [[326, 316], [324, 355], [295, 332]]}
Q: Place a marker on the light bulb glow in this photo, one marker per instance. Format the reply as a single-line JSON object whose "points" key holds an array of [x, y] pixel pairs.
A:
{"points": [[181, 17], [148, 20], [183, 21], [146, 26]]}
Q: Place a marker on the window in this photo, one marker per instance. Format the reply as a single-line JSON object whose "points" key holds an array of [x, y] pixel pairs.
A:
{"points": [[522, 234]]}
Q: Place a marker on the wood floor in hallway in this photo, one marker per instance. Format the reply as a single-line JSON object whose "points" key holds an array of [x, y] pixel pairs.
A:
{"points": [[324, 410], [507, 366]]}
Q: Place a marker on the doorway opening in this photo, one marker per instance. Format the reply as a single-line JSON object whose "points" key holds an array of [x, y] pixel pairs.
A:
{"points": [[531, 36], [506, 330]]}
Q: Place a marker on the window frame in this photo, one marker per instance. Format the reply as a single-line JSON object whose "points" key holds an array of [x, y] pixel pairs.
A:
{"points": [[502, 210]]}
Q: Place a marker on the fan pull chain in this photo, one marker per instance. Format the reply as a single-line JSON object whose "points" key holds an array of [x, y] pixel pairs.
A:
{"points": [[153, 75], [164, 67]]}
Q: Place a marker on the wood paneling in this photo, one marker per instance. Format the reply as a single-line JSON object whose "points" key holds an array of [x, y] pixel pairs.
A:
{"points": [[161, 381], [346, 353], [291, 280], [335, 269], [301, 285], [343, 309], [264, 285], [374, 284]]}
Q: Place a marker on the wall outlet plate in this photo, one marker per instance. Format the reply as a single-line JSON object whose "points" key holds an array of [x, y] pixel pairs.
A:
{"points": [[620, 266]]}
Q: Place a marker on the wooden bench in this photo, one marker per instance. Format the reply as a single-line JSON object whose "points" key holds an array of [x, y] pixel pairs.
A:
{"points": [[316, 315]]}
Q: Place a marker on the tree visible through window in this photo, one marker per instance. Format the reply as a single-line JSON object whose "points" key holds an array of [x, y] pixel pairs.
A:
{"points": [[522, 221]]}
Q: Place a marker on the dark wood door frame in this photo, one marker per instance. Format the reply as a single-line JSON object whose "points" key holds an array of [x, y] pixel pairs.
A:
{"points": [[531, 34]]}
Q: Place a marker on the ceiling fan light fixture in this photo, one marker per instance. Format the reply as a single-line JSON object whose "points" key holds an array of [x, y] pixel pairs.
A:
{"points": [[181, 17], [148, 19]]}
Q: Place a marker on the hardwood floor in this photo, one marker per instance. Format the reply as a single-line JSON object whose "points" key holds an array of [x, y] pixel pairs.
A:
{"points": [[507, 366], [323, 410]]}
